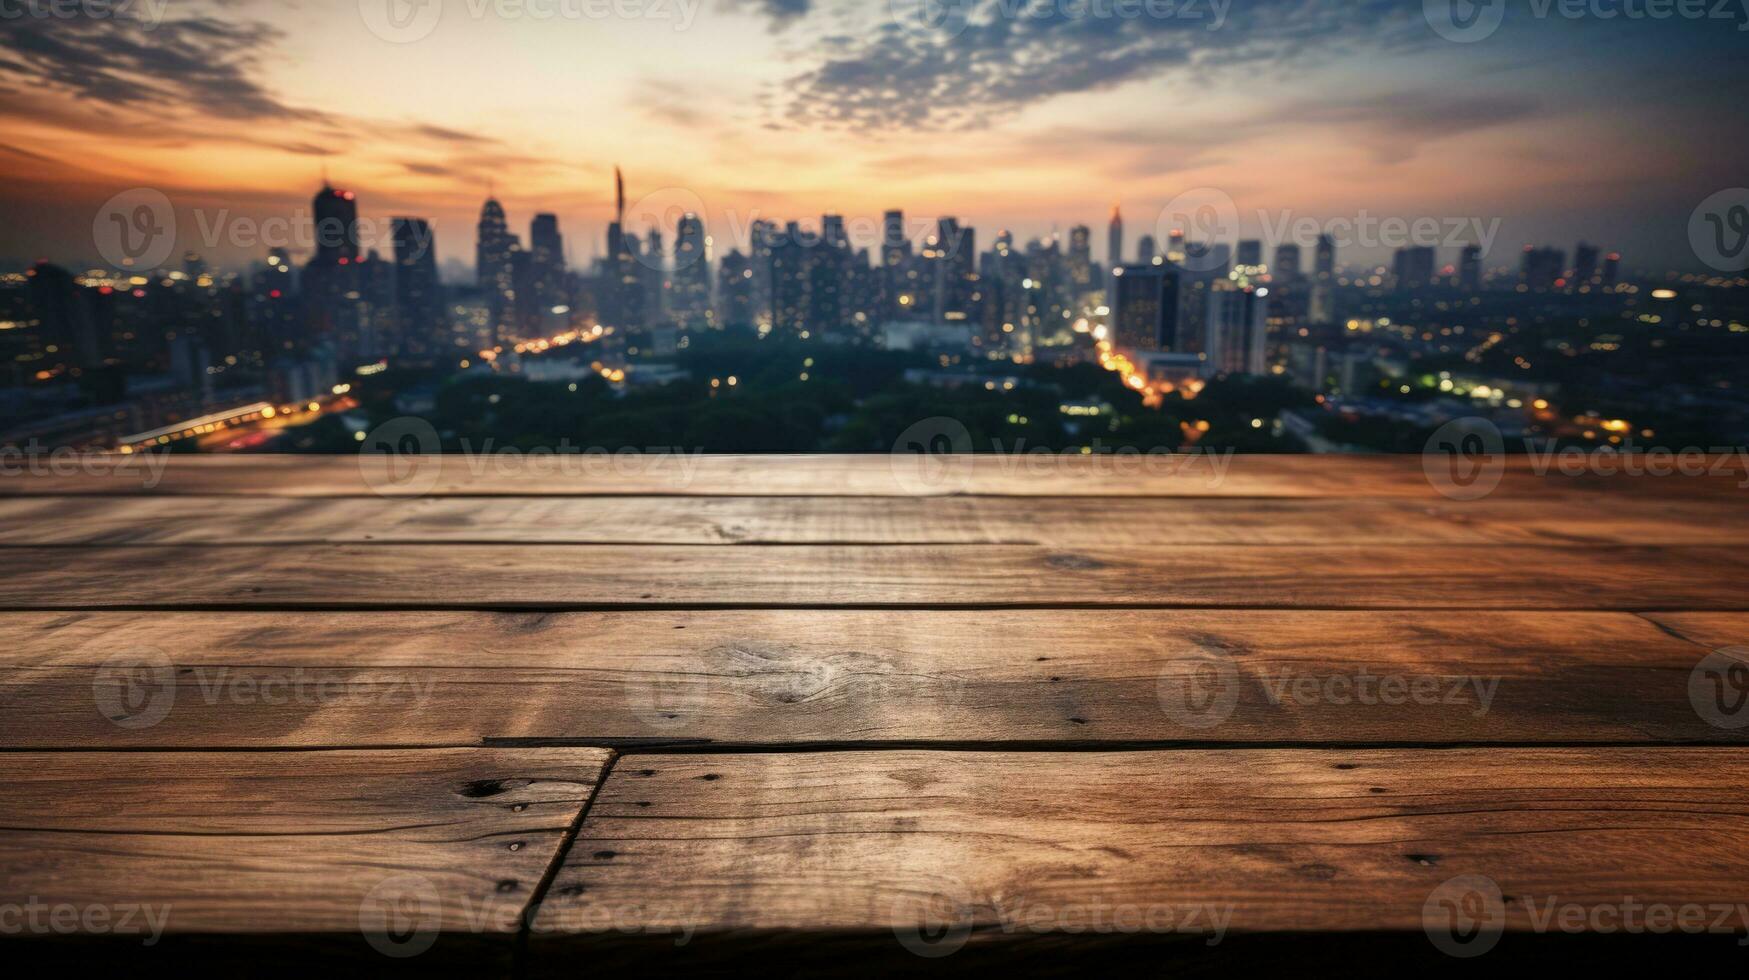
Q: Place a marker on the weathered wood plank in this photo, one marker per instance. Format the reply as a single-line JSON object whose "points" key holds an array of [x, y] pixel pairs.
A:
{"points": [[1712, 630], [609, 576], [1020, 845], [1056, 522], [690, 473], [398, 849], [788, 678]]}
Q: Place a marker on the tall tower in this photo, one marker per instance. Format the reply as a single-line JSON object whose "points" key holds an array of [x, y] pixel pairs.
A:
{"points": [[330, 282], [1470, 269], [1114, 239], [546, 248], [336, 214], [692, 273], [495, 265], [418, 296]]}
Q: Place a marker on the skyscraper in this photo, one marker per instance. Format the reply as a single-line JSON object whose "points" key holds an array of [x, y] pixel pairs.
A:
{"points": [[1584, 266], [1326, 268], [1144, 307], [791, 280], [1611, 270], [65, 313], [692, 273], [1413, 267], [953, 254], [1146, 250], [546, 249], [1114, 239], [1544, 268], [735, 290], [1249, 254], [495, 267], [1080, 259], [336, 214], [1470, 269], [1238, 329], [418, 297], [330, 282], [1287, 262]]}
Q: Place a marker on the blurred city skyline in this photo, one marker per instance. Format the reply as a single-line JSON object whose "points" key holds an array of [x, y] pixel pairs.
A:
{"points": [[1031, 118]]}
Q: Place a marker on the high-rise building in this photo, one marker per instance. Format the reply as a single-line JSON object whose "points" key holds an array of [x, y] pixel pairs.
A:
{"points": [[546, 249], [1114, 239], [336, 214], [332, 298], [692, 273], [1238, 329], [1544, 268], [1147, 250], [1414, 267], [1287, 262], [791, 280], [952, 253], [65, 315], [1611, 271], [1081, 259], [418, 295], [1470, 269], [1584, 266], [495, 267], [735, 290], [1144, 307], [830, 273], [1326, 267], [1249, 255]]}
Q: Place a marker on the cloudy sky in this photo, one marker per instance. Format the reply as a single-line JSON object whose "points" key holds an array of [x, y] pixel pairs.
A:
{"points": [[1020, 114]]}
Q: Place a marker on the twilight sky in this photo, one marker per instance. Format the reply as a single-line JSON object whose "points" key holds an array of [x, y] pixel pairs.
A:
{"points": [[1611, 130]]}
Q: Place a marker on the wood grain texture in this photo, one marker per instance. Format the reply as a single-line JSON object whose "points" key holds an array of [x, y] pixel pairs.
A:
{"points": [[608, 576], [1270, 840], [774, 678], [1055, 522], [292, 842], [1709, 630], [693, 474]]}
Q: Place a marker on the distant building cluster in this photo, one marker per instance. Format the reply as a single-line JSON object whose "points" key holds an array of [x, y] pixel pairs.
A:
{"points": [[149, 347]]}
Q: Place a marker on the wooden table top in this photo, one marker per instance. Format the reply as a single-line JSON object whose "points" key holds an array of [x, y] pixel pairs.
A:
{"points": [[517, 714]]}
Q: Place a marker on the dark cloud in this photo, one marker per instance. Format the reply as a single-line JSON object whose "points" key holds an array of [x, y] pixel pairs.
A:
{"points": [[783, 13], [444, 135], [1394, 126], [198, 62], [1004, 55]]}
